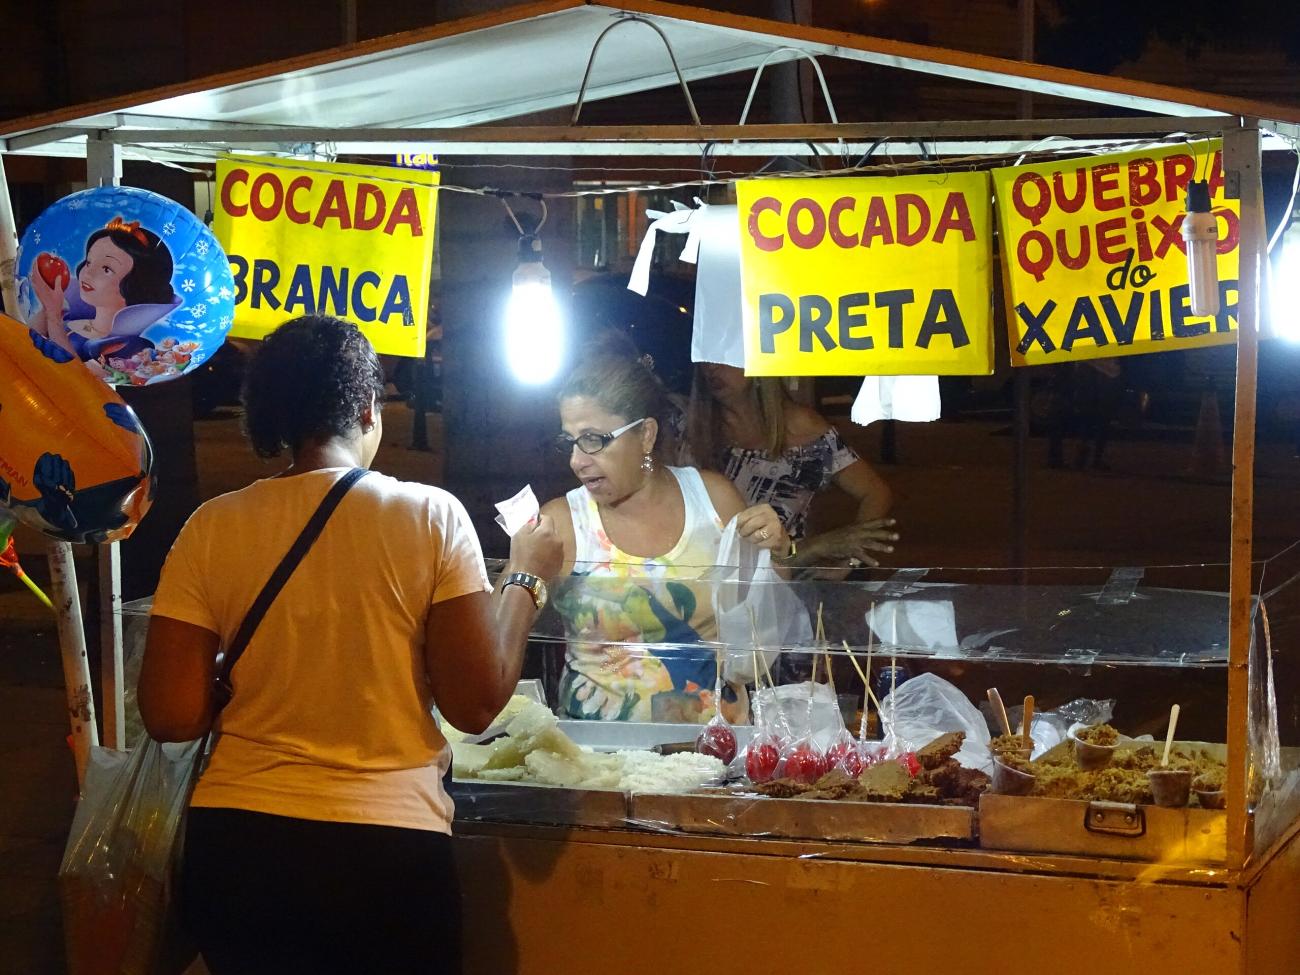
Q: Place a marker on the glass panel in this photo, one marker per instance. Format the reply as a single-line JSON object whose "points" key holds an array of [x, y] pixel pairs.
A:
{"points": [[1274, 731]]}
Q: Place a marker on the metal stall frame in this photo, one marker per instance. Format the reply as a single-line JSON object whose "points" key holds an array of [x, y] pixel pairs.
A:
{"points": [[266, 110]]}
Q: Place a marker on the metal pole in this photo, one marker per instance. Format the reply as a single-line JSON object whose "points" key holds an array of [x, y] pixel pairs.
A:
{"points": [[72, 643], [1241, 156], [1020, 383], [104, 168], [111, 677], [348, 21]]}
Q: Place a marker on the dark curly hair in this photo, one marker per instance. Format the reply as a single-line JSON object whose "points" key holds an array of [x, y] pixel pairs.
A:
{"points": [[309, 380]]}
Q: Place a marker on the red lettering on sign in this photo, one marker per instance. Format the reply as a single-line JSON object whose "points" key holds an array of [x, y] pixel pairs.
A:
{"points": [[761, 240], [405, 213], [233, 178], [291, 210], [955, 216], [334, 206]]}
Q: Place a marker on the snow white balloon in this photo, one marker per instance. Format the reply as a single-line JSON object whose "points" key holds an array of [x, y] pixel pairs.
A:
{"points": [[150, 297]]}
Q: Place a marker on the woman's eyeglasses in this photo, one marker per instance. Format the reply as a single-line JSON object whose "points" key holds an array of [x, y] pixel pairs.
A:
{"points": [[591, 443]]}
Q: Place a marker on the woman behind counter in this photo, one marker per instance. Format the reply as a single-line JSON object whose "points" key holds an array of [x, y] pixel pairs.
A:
{"points": [[316, 839], [637, 535], [780, 453]]}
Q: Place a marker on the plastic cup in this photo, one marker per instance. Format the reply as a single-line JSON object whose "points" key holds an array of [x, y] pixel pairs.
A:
{"points": [[1170, 787], [1089, 756], [1008, 781], [1217, 799]]}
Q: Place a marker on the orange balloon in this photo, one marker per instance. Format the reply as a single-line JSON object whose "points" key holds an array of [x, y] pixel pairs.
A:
{"points": [[75, 463]]}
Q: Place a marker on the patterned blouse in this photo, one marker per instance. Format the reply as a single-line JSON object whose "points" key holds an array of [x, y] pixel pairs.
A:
{"points": [[615, 601], [788, 482]]}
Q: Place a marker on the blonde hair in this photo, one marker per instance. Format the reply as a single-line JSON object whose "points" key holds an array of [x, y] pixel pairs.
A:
{"points": [[621, 383], [703, 422]]}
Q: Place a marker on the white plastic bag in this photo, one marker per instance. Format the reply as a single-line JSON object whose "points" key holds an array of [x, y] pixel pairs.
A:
{"points": [[750, 600], [926, 707]]}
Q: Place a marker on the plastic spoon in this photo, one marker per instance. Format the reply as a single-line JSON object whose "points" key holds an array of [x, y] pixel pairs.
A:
{"points": [[1000, 710], [1169, 736]]}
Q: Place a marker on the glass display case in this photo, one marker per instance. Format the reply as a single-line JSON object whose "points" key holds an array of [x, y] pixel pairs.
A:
{"points": [[1118, 647]]}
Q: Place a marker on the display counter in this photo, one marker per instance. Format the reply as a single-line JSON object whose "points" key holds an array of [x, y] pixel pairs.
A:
{"points": [[817, 875]]}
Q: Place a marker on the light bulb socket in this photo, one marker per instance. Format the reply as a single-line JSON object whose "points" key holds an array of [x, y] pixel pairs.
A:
{"points": [[530, 249], [1198, 196]]}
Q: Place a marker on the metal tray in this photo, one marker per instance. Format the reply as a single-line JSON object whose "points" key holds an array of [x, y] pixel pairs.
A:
{"points": [[757, 816], [1030, 824], [543, 805]]}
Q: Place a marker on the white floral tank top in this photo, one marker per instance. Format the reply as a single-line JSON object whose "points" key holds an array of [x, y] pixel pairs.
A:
{"points": [[614, 599]]}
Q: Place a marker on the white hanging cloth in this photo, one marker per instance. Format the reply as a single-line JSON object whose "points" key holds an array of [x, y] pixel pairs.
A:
{"points": [[713, 244], [911, 398]]}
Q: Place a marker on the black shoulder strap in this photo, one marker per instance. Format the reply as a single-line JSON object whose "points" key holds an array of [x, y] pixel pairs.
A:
{"points": [[280, 576]]}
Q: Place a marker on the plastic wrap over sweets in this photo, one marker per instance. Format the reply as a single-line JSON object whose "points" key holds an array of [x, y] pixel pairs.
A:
{"points": [[74, 461], [127, 282]]}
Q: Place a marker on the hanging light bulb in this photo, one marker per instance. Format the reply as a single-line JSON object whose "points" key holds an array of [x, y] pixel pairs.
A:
{"points": [[1201, 232], [534, 333]]}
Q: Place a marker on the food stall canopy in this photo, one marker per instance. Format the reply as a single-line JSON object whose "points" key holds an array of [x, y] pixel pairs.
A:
{"points": [[396, 93]]}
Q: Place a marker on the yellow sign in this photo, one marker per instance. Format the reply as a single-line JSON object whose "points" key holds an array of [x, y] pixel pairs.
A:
{"points": [[880, 276], [1095, 259], [329, 238]]}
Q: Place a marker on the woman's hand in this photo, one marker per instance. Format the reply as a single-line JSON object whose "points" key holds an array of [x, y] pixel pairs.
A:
{"points": [[851, 545], [760, 526], [537, 550]]}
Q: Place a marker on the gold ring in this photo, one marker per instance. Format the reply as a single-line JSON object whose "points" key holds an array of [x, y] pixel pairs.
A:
{"points": [[763, 534]]}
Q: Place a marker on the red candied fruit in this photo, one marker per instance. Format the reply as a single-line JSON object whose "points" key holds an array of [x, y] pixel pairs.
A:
{"points": [[840, 750], [718, 740], [805, 763], [761, 758], [908, 761]]}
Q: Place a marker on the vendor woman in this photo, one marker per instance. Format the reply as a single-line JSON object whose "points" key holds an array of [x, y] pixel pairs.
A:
{"points": [[637, 537]]}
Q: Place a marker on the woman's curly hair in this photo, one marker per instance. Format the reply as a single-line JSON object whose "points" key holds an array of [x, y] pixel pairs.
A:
{"points": [[309, 380]]}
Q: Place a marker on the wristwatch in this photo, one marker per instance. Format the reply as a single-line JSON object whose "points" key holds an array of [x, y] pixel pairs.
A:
{"points": [[535, 586]]}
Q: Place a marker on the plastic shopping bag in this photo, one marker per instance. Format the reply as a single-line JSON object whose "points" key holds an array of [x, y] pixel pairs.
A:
{"points": [[755, 608], [116, 878], [927, 706]]}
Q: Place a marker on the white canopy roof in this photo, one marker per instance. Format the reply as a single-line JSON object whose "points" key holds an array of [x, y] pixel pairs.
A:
{"points": [[521, 61]]}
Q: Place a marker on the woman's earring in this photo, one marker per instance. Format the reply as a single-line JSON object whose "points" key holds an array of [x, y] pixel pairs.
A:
{"points": [[648, 464]]}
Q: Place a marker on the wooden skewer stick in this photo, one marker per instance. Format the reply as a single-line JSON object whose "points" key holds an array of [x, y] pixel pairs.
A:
{"points": [[1027, 721], [866, 680], [1169, 736], [756, 650], [821, 630], [868, 697], [830, 674], [1000, 710]]}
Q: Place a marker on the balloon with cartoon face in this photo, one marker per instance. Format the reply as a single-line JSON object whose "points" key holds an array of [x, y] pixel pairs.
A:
{"points": [[74, 461], [127, 281]]}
